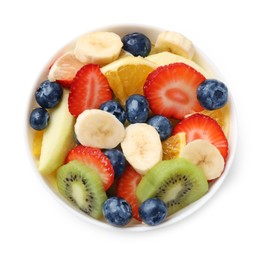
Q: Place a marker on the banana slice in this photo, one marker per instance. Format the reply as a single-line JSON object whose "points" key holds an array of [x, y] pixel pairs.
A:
{"points": [[176, 43], [142, 147], [98, 47], [98, 128], [206, 156]]}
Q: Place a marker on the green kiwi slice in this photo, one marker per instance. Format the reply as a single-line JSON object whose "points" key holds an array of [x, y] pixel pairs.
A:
{"points": [[81, 186], [177, 182]]}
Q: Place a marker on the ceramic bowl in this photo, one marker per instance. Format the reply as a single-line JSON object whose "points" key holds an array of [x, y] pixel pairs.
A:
{"points": [[199, 58]]}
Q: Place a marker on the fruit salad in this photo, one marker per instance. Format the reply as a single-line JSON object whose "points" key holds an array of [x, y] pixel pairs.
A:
{"points": [[130, 130]]}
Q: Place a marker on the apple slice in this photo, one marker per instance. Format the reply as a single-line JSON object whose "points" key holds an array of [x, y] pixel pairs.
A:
{"points": [[58, 138]]}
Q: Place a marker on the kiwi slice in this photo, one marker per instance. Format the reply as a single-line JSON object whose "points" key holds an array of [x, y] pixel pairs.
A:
{"points": [[82, 186], [177, 182]]}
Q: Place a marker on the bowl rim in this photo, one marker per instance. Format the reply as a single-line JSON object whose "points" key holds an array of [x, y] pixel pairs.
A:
{"points": [[185, 212]]}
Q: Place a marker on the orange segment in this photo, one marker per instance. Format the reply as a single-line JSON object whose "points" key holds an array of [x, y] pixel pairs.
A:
{"points": [[37, 143], [173, 146], [222, 116], [126, 76], [65, 67]]}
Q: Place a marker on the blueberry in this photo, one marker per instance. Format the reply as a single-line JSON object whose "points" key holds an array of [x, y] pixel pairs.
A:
{"points": [[117, 211], [48, 94], [137, 108], [39, 118], [212, 94], [117, 160], [137, 44], [115, 109], [162, 125], [153, 211]]}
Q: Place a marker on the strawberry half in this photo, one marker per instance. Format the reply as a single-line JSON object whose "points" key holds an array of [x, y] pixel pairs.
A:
{"points": [[126, 189], [95, 159], [199, 126], [171, 90], [89, 89]]}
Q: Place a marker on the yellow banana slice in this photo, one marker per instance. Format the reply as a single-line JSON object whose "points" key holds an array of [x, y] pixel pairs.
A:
{"points": [[98, 128], [206, 156], [98, 47], [142, 147]]}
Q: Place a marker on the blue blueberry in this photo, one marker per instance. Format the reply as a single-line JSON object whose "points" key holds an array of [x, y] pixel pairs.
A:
{"points": [[153, 211], [115, 109], [39, 118], [48, 94], [212, 94], [137, 108], [117, 160], [117, 211], [137, 44], [162, 125]]}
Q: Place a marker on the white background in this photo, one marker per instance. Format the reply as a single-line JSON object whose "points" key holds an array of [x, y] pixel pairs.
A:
{"points": [[232, 225]]}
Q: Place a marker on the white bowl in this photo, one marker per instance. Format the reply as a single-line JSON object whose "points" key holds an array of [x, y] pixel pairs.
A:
{"points": [[202, 60]]}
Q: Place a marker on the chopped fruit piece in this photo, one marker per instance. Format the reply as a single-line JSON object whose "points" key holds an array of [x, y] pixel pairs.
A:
{"points": [[171, 90], [173, 146], [205, 156], [222, 116], [165, 58], [96, 160], [89, 90], [177, 182], [127, 75], [142, 147], [176, 43], [198, 126], [98, 128], [58, 137], [137, 44], [54, 60], [65, 83], [126, 189], [81, 186], [64, 69], [37, 143], [98, 47], [124, 53]]}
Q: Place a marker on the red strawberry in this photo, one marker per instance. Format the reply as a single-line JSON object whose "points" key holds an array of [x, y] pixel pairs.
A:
{"points": [[89, 89], [65, 83], [96, 159], [171, 90], [126, 189], [198, 126]]}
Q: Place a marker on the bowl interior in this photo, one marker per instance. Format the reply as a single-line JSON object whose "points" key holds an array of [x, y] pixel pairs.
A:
{"points": [[199, 58]]}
